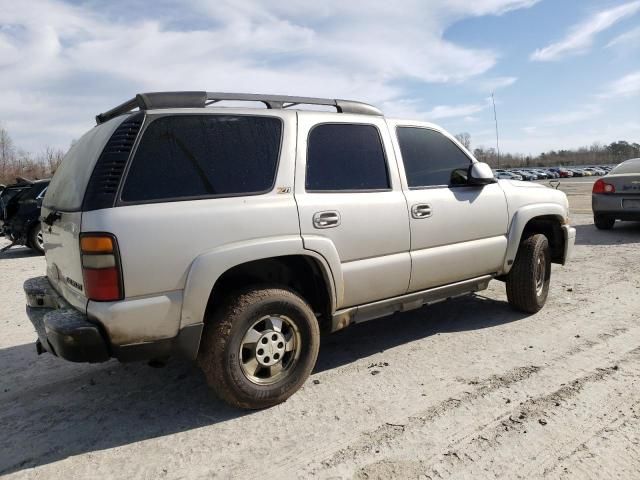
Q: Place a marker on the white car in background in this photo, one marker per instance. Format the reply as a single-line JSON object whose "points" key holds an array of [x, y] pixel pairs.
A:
{"points": [[504, 175]]}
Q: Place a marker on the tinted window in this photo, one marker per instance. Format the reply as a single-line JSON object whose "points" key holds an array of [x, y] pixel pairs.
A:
{"points": [[430, 158], [346, 157], [71, 178], [204, 155]]}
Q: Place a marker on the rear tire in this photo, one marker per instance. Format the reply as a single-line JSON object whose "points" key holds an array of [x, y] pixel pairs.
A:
{"points": [[259, 348], [528, 280], [603, 222], [35, 240]]}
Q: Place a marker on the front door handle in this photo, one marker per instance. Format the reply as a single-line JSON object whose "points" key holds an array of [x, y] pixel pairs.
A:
{"points": [[421, 210], [327, 219]]}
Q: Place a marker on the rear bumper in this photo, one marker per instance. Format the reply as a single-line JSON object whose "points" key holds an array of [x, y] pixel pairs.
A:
{"points": [[63, 330], [613, 206], [569, 242], [70, 334]]}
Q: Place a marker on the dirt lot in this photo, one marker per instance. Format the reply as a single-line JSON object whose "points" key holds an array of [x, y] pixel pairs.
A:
{"points": [[467, 388]]}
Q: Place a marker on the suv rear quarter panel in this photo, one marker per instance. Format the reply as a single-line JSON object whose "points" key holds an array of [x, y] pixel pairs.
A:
{"points": [[161, 242]]}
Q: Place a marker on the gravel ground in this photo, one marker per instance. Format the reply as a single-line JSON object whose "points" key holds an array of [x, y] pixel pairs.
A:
{"points": [[466, 388]]}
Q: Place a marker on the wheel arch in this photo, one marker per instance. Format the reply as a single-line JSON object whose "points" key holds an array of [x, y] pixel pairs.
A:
{"points": [[259, 260], [541, 218]]}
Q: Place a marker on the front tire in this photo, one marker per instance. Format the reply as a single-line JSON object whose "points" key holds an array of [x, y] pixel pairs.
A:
{"points": [[529, 278], [603, 222], [259, 348]]}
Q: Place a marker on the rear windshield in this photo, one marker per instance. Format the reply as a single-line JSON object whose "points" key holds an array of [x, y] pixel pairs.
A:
{"points": [[200, 156], [66, 191], [630, 166]]}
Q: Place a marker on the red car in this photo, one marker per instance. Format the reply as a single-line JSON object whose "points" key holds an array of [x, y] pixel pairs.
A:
{"points": [[564, 173]]}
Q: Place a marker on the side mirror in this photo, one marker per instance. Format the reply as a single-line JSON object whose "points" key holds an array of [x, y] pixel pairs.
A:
{"points": [[480, 174]]}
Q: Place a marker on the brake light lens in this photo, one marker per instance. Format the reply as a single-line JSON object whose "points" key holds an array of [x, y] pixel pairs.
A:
{"points": [[603, 187], [101, 267]]}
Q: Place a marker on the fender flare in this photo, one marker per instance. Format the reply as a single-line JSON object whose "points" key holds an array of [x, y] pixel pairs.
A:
{"points": [[519, 221], [326, 249], [208, 267]]}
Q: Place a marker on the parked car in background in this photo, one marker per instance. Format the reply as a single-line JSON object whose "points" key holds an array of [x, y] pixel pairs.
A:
{"points": [[504, 175], [616, 196], [21, 205], [542, 175], [526, 175], [563, 172], [552, 173], [7, 194], [595, 171], [531, 172], [576, 172]]}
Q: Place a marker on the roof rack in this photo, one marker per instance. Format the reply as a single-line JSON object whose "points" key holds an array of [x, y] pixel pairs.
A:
{"points": [[156, 100]]}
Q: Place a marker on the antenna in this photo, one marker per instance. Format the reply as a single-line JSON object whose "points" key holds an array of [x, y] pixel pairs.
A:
{"points": [[495, 118]]}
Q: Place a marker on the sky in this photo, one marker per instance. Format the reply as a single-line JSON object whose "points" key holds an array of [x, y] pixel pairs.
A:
{"points": [[564, 73]]}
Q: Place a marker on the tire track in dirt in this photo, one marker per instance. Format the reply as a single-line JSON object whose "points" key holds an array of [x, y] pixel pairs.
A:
{"points": [[471, 412], [490, 453], [469, 457]]}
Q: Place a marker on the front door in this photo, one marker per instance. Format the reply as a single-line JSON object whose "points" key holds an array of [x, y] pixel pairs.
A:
{"points": [[458, 231]]}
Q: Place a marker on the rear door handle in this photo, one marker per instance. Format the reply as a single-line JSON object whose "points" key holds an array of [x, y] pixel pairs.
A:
{"points": [[328, 219], [421, 210]]}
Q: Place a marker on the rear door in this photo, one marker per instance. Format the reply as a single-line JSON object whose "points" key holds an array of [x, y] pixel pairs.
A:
{"points": [[458, 231], [350, 201]]}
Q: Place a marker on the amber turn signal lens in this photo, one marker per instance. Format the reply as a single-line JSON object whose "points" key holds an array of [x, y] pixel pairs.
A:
{"points": [[97, 244]]}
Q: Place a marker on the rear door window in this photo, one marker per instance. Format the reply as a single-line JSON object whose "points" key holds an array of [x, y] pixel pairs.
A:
{"points": [[346, 157], [200, 156]]}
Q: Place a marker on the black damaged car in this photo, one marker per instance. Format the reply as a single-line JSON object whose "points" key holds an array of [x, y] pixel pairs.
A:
{"points": [[20, 213]]}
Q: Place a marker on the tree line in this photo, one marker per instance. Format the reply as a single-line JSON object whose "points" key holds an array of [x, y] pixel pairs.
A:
{"points": [[596, 154], [16, 162]]}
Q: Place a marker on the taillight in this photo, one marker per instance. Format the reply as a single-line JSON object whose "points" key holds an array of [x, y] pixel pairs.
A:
{"points": [[101, 267], [603, 187]]}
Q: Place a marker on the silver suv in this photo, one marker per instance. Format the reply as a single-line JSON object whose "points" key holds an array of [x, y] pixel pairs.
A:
{"points": [[234, 236]]}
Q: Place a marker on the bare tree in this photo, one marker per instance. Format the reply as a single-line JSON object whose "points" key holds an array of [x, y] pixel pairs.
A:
{"points": [[465, 139], [53, 158], [7, 152]]}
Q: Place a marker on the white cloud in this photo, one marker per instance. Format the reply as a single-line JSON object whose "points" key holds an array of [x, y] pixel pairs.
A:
{"points": [[627, 86], [61, 67], [453, 111], [630, 39], [570, 116], [581, 36], [492, 84]]}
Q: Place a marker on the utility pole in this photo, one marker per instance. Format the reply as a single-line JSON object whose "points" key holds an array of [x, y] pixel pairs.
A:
{"points": [[495, 118]]}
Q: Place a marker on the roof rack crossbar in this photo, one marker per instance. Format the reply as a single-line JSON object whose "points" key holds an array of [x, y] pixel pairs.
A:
{"points": [[156, 100]]}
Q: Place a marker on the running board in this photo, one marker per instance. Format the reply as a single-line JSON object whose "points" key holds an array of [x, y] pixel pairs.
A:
{"points": [[345, 317]]}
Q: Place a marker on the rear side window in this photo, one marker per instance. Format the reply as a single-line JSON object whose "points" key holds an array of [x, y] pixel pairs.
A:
{"points": [[430, 158], [192, 156], [346, 157], [69, 183]]}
